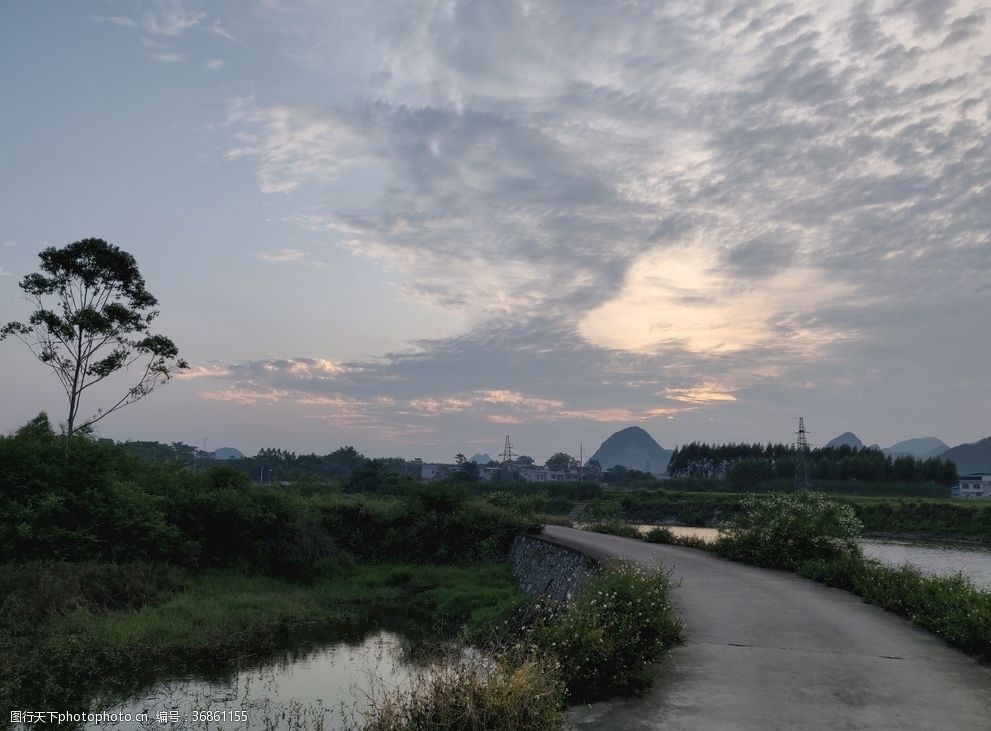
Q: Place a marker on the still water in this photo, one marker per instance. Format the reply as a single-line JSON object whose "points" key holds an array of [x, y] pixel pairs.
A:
{"points": [[935, 557], [973, 561], [324, 689]]}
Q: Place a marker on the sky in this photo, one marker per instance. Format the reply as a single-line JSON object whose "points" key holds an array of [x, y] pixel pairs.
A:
{"points": [[418, 227]]}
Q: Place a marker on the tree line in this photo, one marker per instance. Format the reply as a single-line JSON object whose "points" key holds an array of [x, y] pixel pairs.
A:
{"points": [[750, 464]]}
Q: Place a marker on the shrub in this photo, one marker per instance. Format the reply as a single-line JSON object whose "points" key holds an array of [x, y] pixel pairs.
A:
{"points": [[473, 694], [659, 534], [613, 526], [604, 641], [782, 530], [304, 551]]}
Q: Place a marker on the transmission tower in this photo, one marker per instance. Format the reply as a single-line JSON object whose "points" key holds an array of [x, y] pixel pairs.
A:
{"points": [[801, 458], [507, 456]]}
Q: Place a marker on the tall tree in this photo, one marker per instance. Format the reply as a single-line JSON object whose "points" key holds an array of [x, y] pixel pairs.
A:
{"points": [[91, 320], [561, 461]]}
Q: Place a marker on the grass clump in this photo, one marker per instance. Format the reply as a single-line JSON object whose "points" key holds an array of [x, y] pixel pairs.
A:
{"points": [[600, 645], [612, 526], [659, 534], [604, 641], [474, 694]]}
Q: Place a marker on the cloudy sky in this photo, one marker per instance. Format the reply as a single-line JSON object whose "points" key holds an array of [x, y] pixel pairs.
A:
{"points": [[420, 226]]}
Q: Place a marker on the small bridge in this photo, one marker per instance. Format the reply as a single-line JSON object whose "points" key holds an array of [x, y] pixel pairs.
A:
{"points": [[770, 650]]}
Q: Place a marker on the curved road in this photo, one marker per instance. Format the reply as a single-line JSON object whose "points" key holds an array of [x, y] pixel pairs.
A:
{"points": [[769, 650]]}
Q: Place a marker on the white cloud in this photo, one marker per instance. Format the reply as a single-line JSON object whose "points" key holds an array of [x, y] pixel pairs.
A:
{"points": [[218, 30], [171, 19], [281, 256], [114, 20], [9, 243], [680, 297], [4, 272], [214, 64], [293, 145], [167, 57]]}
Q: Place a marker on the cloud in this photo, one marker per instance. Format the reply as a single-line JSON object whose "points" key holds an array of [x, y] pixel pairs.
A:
{"points": [[214, 64], [655, 200], [9, 243], [281, 256], [703, 393], [114, 20], [294, 145], [167, 56], [4, 272], [682, 298], [218, 30], [170, 18]]}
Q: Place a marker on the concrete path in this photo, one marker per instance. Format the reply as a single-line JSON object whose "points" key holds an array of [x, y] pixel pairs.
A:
{"points": [[770, 650]]}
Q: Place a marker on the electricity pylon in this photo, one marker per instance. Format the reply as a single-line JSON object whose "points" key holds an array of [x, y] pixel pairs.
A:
{"points": [[801, 458]]}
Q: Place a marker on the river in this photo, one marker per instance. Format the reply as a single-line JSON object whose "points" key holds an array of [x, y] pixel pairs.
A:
{"points": [[935, 557]]}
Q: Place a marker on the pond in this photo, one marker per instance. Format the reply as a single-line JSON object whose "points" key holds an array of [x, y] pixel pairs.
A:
{"points": [[324, 689]]}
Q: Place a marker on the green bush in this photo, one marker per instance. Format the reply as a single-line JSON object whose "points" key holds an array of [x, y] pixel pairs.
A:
{"points": [[411, 530], [605, 641], [782, 530], [613, 526], [33, 595], [659, 534]]}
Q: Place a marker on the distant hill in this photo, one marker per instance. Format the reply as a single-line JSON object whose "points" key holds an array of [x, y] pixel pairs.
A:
{"points": [[969, 458], [482, 459], [634, 449], [228, 453], [921, 448], [846, 439]]}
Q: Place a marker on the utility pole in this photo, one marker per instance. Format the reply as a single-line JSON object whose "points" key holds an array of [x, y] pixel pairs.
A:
{"points": [[581, 460], [801, 458]]}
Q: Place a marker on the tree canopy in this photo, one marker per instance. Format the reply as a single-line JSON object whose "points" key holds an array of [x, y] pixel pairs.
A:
{"points": [[92, 319]]}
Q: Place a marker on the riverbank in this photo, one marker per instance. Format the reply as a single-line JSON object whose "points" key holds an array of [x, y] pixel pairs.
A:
{"points": [[815, 536], [932, 518], [70, 632]]}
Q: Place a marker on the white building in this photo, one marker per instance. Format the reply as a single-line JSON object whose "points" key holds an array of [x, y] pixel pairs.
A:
{"points": [[977, 485], [542, 474]]}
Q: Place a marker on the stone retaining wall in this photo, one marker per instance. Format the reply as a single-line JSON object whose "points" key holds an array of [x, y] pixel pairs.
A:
{"points": [[545, 568]]}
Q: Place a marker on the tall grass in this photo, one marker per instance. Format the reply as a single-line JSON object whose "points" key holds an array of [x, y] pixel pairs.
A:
{"points": [[473, 694]]}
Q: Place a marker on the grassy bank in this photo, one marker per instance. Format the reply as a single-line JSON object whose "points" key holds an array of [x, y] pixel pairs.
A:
{"points": [[64, 625], [815, 536], [605, 643], [925, 517]]}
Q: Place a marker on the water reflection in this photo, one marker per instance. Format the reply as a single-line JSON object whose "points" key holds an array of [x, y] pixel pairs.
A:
{"points": [[944, 558], [322, 689]]}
